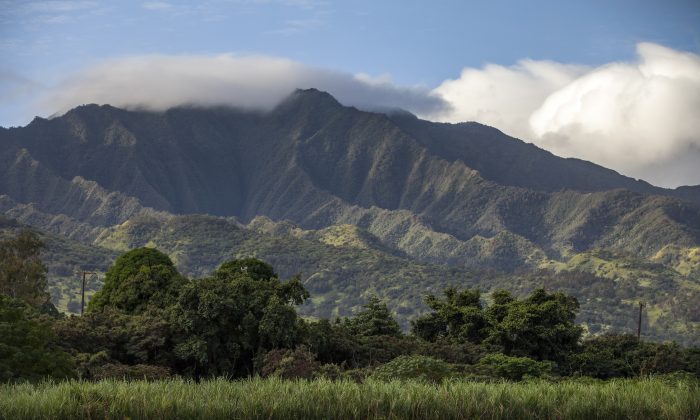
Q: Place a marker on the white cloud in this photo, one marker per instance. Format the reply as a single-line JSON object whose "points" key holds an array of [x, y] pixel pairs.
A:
{"points": [[504, 97], [158, 82], [636, 117]]}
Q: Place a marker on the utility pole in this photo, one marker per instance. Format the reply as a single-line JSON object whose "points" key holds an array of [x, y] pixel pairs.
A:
{"points": [[82, 294], [639, 322]]}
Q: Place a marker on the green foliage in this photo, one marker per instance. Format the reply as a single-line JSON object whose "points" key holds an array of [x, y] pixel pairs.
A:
{"points": [[113, 337], [370, 337], [298, 363], [100, 366], [22, 273], [458, 317], [606, 284], [420, 368], [375, 319], [247, 267], [622, 355], [138, 278], [332, 343], [130, 372], [540, 326], [227, 321], [514, 368], [28, 350], [242, 321]]}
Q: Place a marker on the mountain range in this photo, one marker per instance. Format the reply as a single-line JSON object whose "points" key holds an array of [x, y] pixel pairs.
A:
{"points": [[357, 202]]}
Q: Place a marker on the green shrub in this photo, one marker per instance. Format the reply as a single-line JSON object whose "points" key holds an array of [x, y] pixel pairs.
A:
{"points": [[100, 366], [299, 363], [135, 372], [138, 278], [514, 368], [421, 368], [329, 371], [28, 348]]}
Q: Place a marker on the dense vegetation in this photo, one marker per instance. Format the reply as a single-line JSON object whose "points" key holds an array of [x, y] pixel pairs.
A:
{"points": [[150, 321], [343, 266]]}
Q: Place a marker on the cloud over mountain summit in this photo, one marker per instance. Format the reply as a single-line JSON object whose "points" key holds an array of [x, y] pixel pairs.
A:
{"points": [[638, 117], [159, 82]]}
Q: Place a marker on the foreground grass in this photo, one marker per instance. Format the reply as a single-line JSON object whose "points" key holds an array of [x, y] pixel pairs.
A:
{"points": [[272, 398]]}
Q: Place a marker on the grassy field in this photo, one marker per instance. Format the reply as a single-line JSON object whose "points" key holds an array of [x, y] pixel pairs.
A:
{"points": [[320, 399]]}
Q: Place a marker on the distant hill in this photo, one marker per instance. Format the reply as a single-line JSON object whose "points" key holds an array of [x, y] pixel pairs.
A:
{"points": [[314, 175]]}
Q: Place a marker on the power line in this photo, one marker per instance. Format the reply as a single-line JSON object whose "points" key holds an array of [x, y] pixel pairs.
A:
{"points": [[639, 321], [82, 294]]}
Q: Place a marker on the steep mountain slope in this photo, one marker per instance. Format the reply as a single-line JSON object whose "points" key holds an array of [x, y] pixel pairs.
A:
{"points": [[413, 184], [509, 161]]}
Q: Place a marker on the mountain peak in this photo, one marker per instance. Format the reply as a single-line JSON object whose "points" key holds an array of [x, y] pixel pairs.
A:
{"points": [[310, 98], [313, 93]]}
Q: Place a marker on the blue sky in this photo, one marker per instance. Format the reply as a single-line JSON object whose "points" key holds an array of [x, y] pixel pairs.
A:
{"points": [[416, 42], [415, 46]]}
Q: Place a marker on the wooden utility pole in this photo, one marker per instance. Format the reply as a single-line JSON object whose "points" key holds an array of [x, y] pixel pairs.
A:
{"points": [[82, 294], [639, 322]]}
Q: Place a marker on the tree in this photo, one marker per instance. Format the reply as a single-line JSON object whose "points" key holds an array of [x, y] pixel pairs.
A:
{"points": [[331, 342], [541, 326], [374, 320], [112, 337], [28, 350], [229, 321], [139, 278], [623, 355], [245, 267], [22, 274], [421, 368], [459, 317]]}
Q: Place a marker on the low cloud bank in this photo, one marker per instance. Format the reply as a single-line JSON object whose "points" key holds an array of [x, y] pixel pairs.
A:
{"points": [[159, 82], [638, 117]]}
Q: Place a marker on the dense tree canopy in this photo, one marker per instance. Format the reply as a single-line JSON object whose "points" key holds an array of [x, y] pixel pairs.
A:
{"points": [[28, 348], [140, 277], [623, 355], [229, 320], [458, 317], [245, 267], [375, 319], [22, 274], [540, 326], [151, 322]]}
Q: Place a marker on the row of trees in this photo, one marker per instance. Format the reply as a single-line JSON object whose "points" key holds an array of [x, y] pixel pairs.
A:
{"points": [[150, 321]]}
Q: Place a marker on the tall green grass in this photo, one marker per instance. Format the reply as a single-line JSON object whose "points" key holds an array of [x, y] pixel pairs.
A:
{"points": [[321, 399]]}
